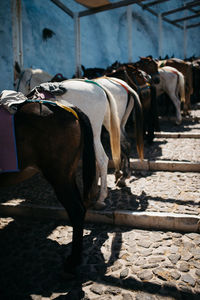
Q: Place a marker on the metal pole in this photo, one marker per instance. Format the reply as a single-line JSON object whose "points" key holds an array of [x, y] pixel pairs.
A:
{"points": [[77, 45], [185, 40], [17, 32], [185, 35], [130, 33], [160, 35]]}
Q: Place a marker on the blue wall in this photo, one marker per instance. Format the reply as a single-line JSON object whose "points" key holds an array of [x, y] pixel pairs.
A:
{"points": [[103, 37]]}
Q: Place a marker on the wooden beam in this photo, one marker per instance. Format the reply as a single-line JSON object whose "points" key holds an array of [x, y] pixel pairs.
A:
{"points": [[108, 7], [93, 3]]}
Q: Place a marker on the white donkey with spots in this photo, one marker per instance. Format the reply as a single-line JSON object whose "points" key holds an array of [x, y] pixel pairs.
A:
{"points": [[173, 84]]}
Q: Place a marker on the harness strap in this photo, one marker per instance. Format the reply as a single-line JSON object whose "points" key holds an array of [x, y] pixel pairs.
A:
{"points": [[69, 109], [91, 81], [174, 72], [111, 79]]}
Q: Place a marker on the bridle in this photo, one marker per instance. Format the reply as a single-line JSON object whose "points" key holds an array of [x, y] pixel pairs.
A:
{"points": [[134, 82]]}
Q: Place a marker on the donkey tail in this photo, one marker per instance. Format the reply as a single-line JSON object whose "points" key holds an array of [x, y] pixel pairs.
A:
{"points": [[181, 87], [114, 130], [138, 122], [88, 156]]}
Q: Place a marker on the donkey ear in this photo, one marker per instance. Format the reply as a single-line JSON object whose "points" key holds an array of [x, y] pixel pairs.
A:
{"points": [[17, 68]]}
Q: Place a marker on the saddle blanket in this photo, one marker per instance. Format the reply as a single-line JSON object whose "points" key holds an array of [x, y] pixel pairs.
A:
{"points": [[8, 151], [9, 101]]}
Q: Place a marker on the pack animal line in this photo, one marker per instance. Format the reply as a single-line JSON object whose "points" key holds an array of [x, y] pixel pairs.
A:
{"points": [[58, 162]]}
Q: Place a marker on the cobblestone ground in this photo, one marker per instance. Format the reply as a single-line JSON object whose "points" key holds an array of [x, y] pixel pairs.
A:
{"points": [[119, 262]]}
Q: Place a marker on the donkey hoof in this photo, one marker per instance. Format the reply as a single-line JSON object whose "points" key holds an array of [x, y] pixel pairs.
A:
{"points": [[178, 122], [99, 205], [121, 182]]}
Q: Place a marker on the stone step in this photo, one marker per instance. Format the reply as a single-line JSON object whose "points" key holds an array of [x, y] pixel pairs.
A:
{"points": [[164, 165], [183, 135], [161, 165], [144, 220], [173, 118]]}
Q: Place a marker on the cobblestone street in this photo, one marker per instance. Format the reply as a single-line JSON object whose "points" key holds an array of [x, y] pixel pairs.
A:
{"points": [[119, 262]]}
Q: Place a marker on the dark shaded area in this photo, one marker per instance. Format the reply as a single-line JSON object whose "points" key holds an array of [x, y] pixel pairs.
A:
{"points": [[47, 34]]}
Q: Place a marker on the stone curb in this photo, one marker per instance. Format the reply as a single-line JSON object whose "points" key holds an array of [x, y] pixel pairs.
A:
{"points": [[144, 220], [164, 165], [183, 135], [161, 165], [173, 119]]}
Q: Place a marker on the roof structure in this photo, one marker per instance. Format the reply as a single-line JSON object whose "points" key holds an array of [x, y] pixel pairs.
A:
{"points": [[96, 6], [182, 17], [173, 16]]}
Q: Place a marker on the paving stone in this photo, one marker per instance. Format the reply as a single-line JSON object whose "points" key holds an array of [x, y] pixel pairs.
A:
{"points": [[162, 274], [150, 266], [155, 259], [144, 243], [112, 291], [117, 266], [145, 275], [192, 235], [188, 279], [183, 267], [144, 296], [104, 297], [186, 256], [145, 252], [97, 289], [124, 273], [175, 275], [174, 258], [127, 296], [173, 249]]}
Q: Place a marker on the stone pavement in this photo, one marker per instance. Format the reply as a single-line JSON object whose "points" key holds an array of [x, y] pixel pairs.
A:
{"points": [[119, 263], [122, 263]]}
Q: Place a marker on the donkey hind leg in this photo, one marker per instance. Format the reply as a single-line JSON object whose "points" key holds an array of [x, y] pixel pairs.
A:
{"points": [[69, 196], [125, 160], [102, 164], [177, 104]]}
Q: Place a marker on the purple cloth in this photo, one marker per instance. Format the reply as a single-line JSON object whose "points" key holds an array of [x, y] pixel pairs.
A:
{"points": [[8, 151]]}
